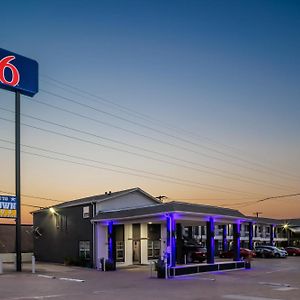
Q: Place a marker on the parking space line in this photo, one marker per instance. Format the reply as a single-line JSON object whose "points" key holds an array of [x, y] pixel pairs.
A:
{"points": [[36, 297], [285, 289], [275, 284], [46, 276], [71, 279], [243, 297]]}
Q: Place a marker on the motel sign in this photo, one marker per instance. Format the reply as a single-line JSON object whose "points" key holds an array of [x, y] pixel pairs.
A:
{"points": [[8, 207]]}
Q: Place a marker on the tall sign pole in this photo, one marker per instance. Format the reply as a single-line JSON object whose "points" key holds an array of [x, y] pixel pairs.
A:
{"points": [[18, 74], [18, 182]]}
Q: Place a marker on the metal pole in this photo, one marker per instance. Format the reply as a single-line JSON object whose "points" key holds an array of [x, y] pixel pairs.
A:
{"points": [[33, 264], [18, 185], [1, 265]]}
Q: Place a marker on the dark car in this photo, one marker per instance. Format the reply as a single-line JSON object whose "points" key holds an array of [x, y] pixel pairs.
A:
{"points": [[293, 251], [199, 255], [193, 251], [264, 253], [244, 253]]}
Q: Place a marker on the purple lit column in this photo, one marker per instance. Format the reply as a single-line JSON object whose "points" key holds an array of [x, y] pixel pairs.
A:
{"points": [[272, 235], [210, 240], [111, 243], [224, 238], [171, 240], [250, 235], [236, 242]]}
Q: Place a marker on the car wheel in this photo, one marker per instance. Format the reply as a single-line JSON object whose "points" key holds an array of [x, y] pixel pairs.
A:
{"points": [[277, 255], [263, 255]]}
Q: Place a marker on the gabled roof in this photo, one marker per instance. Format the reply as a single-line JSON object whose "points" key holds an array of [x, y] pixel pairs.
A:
{"points": [[174, 206], [102, 198]]}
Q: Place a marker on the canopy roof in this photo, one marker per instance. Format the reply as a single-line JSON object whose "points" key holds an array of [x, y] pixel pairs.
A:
{"points": [[182, 209]]}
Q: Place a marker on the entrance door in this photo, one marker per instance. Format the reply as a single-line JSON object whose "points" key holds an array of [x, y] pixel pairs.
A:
{"points": [[136, 252]]}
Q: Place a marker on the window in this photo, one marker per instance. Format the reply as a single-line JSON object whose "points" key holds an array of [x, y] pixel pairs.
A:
{"points": [[153, 249], [84, 249], [86, 212], [120, 251]]}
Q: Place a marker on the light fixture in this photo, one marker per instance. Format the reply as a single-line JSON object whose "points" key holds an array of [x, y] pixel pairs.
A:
{"points": [[52, 210], [285, 226]]}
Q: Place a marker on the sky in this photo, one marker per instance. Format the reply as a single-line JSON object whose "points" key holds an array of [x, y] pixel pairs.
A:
{"points": [[195, 100]]}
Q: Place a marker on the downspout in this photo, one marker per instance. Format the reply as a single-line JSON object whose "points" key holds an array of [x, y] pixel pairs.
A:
{"points": [[93, 223]]}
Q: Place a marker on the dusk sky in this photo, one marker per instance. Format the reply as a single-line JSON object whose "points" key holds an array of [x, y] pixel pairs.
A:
{"points": [[195, 100]]}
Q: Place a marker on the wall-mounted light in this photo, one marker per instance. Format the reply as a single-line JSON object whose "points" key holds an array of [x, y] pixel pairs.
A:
{"points": [[285, 226], [52, 210]]}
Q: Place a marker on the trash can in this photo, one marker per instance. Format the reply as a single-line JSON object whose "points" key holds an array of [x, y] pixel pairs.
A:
{"points": [[247, 265]]}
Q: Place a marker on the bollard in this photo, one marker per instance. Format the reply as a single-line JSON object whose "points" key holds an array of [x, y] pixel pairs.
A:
{"points": [[150, 269], [33, 264], [185, 259], [1, 265], [166, 270]]}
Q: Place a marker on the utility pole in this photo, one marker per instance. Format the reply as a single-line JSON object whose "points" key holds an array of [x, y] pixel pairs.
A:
{"points": [[257, 213]]}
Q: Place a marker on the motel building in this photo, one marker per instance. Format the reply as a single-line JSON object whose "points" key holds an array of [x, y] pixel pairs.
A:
{"points": [[131, 227]]}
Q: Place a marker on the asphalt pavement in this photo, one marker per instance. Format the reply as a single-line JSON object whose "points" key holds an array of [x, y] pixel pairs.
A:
{"points": [[269, 279]]}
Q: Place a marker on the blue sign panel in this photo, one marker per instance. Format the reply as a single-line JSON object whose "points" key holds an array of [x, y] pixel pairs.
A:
{"points": [[8, 206], [18, 73]]}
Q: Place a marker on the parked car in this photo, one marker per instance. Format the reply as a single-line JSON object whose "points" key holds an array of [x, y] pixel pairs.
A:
{"points": [[199, 255], [276, 251], [244, 253], [193, 251], [294, 251], [264, 253]]}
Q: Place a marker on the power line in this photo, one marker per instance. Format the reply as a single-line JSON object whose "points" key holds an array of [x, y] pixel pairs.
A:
{"points": [[165, 142], [244, 204], [151, 128], [160, 141], [143, 116], [238, 176], [171, 180], [30, 196], [34, 197], [110, 147]]}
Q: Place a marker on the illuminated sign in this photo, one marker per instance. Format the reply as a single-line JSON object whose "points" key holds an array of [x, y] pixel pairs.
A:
{"points": [[8, 206], [18, 73]]}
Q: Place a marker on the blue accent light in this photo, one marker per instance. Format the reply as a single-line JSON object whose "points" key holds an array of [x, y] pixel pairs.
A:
{"points": [[236, 241], [210, 240], [110, 241], [250, 235], [171, 240]]}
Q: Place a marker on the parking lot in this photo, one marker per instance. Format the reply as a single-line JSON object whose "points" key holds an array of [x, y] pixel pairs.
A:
{"points": [[268, 279]]}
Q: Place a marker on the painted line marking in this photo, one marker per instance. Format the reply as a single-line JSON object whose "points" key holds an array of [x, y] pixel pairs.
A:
{"points": [[36, 297], [71, 279], [242, 297], [281, 270], [285, 289], [275, 284], [46, 276]]}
